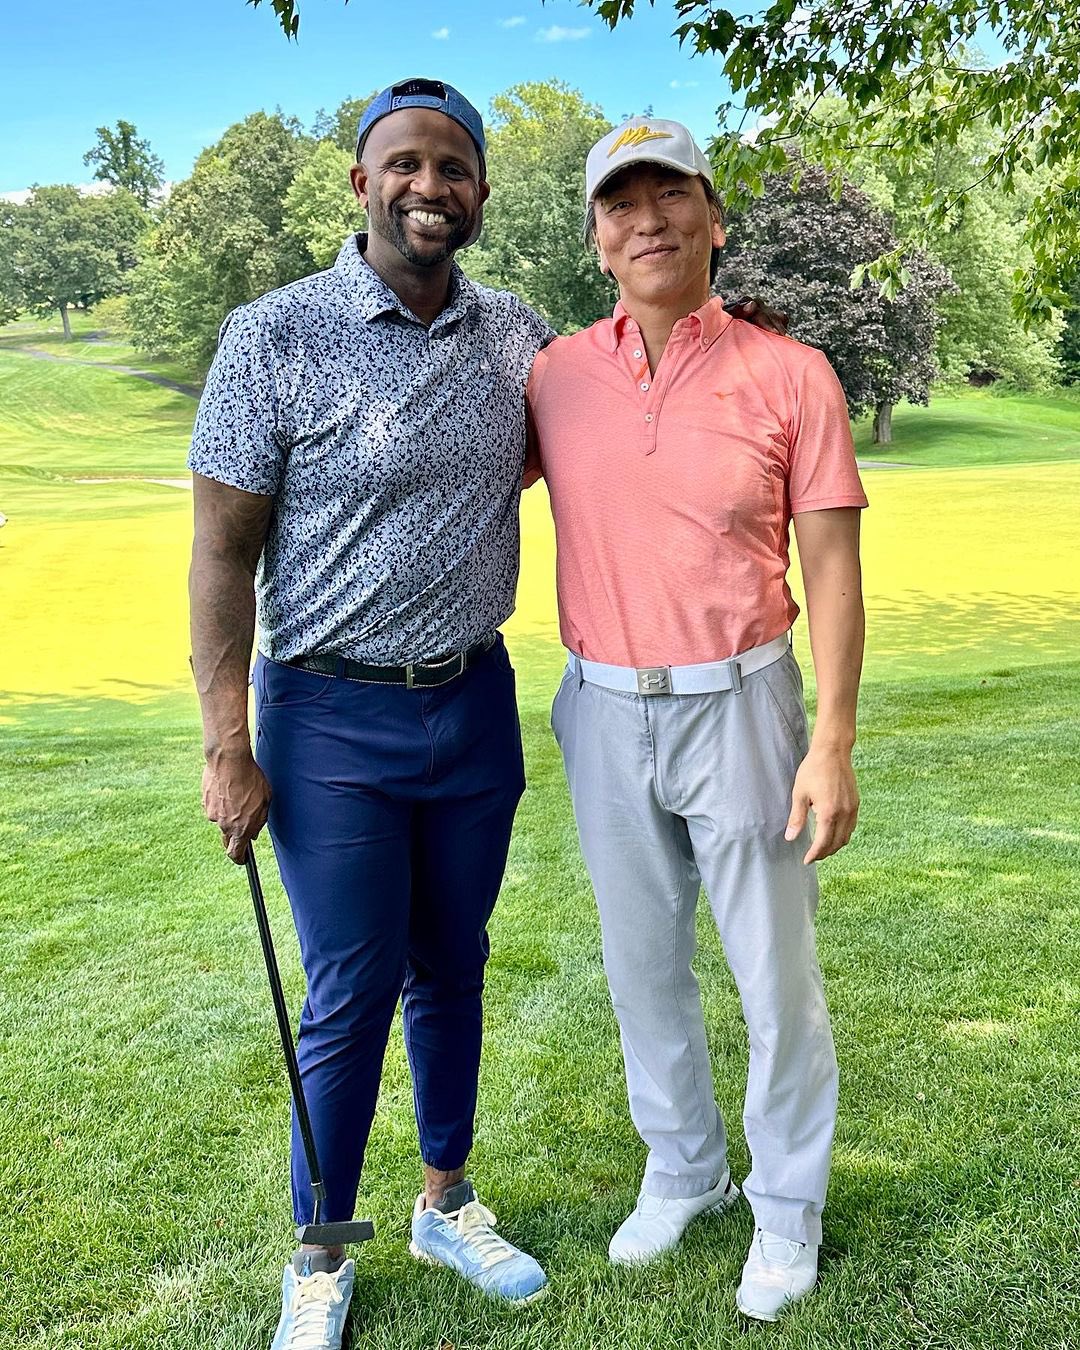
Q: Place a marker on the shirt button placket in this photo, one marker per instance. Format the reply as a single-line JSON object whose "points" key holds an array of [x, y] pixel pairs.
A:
{"points": [[645, 384]]}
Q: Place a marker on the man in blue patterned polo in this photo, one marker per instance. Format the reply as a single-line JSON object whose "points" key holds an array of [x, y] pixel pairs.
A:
{"points": [[357, 459]]}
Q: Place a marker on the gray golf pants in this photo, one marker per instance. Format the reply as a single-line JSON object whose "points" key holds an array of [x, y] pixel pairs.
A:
{"points": [[671, 792]]}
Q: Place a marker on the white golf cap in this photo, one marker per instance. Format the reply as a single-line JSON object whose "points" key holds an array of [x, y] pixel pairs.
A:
{"points": [[643, 140]]}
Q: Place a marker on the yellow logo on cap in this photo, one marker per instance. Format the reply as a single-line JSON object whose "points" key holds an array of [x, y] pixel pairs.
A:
{"points": [[637, 135]]}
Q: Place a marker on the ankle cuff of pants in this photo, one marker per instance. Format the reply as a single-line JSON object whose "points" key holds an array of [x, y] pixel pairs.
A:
{"points": [[680, 1188], [794, 1219]]}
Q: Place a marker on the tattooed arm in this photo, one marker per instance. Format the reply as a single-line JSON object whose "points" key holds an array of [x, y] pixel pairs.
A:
{"points": [[230, 528]]}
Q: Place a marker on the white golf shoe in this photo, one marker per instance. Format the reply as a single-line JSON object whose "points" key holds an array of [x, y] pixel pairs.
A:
{"points": [[659, 1222], [777, 1272]]}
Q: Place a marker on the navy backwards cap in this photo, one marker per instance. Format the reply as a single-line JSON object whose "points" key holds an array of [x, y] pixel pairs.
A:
{"points": [[420, 93]]}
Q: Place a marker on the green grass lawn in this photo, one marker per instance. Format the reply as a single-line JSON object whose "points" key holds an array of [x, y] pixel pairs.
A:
{"points": [[143, 1186], [978, 427], [40, 335], [75, 420], [145, 1121]]}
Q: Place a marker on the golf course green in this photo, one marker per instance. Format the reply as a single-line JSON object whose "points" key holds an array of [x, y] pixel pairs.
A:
{"points": [[144, 1129]]}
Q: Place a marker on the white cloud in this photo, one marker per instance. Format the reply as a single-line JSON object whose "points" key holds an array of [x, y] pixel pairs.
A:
{"points": [[441, 34], [22, 195], [514, 22], [557, 33], [683, 84]]}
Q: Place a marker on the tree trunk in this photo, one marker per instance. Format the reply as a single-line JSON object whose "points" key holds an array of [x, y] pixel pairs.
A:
{"points": [[66, 321], [883, 424]]}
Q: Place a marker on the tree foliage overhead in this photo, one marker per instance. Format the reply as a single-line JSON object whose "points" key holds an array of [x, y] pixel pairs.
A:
{"points": [[288, 14], [124, 160], [905, 78], [537, 144], [799, 249]]}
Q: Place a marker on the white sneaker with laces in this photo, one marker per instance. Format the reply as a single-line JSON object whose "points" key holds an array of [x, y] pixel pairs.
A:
{"points": [[461, 1234], [658, 1222], [314, 1303], [777, 1272]]}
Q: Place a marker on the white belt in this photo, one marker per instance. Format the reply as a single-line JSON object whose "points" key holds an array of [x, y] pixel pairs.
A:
{"points": [[712, 677]]}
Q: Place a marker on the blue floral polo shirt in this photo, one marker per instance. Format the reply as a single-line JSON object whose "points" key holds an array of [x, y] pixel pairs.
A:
{"points": [[393, 452]]}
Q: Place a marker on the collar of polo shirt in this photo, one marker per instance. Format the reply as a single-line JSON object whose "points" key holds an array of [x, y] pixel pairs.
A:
{"points": [[710, 321], [375, 298]]}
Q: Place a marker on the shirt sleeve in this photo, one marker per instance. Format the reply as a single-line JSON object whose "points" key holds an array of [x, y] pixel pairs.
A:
{"points": [[821, 454], [538, 334], [236, 439], [534, 460]]}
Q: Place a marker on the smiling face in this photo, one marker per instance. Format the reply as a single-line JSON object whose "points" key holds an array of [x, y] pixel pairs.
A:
{"points": [[655, 232], [419, 178]]}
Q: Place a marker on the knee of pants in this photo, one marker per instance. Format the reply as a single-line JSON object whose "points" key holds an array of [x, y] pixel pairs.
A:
{"points": [[445, 984], [351, 997], [647, 987]]}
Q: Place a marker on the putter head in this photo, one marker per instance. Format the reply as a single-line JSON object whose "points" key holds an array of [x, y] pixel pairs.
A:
{"points": [[335, 1234]]}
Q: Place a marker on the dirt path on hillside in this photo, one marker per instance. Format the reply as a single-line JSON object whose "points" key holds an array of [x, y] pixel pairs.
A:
{"points": [[191, 390]]}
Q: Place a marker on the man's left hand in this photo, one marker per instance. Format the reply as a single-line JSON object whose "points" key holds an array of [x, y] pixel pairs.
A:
{"points": [[826, 782], [752, 309]]}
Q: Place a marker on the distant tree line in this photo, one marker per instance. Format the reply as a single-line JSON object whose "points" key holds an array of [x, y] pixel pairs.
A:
{"points": [[270, 202], [884, 81]]}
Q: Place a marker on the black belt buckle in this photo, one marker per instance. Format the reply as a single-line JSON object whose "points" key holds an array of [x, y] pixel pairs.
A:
{"points": [[456, 666]]}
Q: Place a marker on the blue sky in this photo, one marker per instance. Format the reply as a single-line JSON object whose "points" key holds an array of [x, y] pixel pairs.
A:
{"points": [[68, 66]]}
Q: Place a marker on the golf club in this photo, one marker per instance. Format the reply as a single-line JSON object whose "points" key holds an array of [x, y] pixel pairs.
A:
{"points": [[316, 1233]]}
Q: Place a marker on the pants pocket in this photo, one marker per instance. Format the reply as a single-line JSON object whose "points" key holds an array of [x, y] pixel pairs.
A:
{"points": [[782, 682]]}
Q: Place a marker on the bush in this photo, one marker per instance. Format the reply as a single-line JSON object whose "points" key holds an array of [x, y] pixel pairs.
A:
{"points": [[111, 316]]}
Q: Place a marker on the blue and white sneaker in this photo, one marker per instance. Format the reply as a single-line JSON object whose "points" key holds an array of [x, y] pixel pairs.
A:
{"points": [[314, 1302], [462, 1236]]}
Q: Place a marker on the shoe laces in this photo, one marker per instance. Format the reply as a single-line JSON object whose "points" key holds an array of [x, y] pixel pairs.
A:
{"points": [[651, 1206], [777, 1250], [313, 1297], [475, 1225]]}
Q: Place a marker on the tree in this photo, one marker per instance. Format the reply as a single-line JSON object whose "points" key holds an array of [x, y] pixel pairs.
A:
{"points": [[65, 248], [221, 239], [127, 162], [1069, 344], [9, 286], [906, 78], [800, 248], [341, 125], [320, 205], [980, 337], [877, 57], [531, 242]]}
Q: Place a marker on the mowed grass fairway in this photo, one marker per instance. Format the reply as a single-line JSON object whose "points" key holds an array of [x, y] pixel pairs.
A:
{"points": [[144, 1128]]}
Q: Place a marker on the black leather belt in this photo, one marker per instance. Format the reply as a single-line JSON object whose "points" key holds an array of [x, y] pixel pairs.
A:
{"points": [[416, 675]]}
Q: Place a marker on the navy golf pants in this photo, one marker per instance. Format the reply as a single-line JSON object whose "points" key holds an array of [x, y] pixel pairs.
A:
{"points": [[390, 818]]}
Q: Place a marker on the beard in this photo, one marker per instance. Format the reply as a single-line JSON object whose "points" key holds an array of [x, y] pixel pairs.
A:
{"points": [[390, 225]]}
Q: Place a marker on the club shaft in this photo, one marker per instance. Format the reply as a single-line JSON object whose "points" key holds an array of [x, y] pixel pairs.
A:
{"points": [[303, 1120]]}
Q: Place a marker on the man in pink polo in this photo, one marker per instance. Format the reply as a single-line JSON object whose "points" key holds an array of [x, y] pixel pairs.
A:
{"points": [[677, 446]]}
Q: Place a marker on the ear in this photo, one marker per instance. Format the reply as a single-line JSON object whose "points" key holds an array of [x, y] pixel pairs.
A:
{"points": [[719, 234], [358, 176], [602, 262]]}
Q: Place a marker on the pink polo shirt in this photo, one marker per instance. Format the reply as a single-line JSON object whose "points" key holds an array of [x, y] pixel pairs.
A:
{"points": [[672, 493]]}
